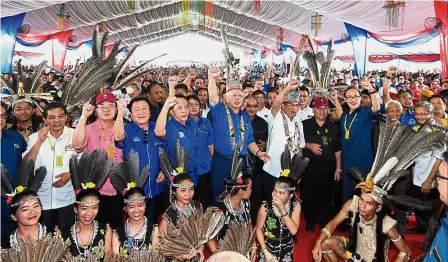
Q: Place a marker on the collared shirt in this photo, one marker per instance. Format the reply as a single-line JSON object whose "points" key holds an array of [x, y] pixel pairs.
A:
{"points": [[408, 118], [304, 114], [94, 140], [278, 139], [52, 197], [13, 145], [222, 133], [204, 139], [148, 153], [186, 135], [155, 112], [264, 113], [357, 149], [328, 136], [438, 251], [204, 112]]}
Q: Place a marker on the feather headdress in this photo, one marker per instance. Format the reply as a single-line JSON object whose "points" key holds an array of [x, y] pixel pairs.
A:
{"points": [[294, 166], [89, 169], [235, 180], [48, 249], [28, 179], [232, 64], [18, 84], [397, 150], [240, 238], [197, 230], [180, 160], [126, 175], [319, 77]]}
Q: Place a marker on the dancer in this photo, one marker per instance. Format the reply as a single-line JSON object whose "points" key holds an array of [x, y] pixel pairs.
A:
{"points": [[89, 239], [137, 233], [181, 195], [279, 219], [371, 227], [234, 201]]}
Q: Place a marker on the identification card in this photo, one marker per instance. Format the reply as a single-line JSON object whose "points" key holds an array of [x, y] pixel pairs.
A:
{"points": [[110, 152], [59, 161], [347, 134]]}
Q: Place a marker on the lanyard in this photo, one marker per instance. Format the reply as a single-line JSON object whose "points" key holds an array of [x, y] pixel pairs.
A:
{"points": [[65, 147], [347, 131], [109, 148], [295, 137]]}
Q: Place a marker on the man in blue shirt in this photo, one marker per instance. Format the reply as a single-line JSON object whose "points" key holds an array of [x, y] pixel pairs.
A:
{"points": [[405, 99], [231, 126], [179, 128], [439, 251], [139, 136], [204, 151], [356, 134], [13, 145]]}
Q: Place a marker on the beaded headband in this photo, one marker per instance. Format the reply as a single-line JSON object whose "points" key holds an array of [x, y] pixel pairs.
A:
{"points": [[88, 203], [23, 201], [283, 187], [135, 199], [184, 186]]}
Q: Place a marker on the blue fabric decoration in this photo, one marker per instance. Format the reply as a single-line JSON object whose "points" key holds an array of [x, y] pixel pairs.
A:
{"points": [[358, 37], [410, 42], [10, 27]]}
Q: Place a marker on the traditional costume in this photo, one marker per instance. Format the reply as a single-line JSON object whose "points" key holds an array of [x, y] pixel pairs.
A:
{"points": [[188, 227], [396, 152], [88, 171], [277, 236]]}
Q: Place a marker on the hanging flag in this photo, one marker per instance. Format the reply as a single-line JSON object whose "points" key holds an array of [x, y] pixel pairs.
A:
{"points": [[185, 9], [59, 48], [209, 15], [9, 29], [257, 6]]}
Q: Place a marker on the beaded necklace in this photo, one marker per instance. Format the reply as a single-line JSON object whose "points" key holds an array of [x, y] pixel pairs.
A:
{"points": [[131, 241], [14, 238], [87, 247], [232, 129]]}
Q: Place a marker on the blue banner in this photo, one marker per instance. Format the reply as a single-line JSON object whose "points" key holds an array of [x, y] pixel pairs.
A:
{"points": [[10, 26], [358, 37]]}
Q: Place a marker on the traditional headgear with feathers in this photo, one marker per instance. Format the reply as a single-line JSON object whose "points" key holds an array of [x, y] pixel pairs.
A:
{"points": [[89, 170], [292, 167], [319, 77], [235, 180], [181, 163], [28, 179], [396, 151], [100, 71], [197, 230], [19, 84], [126, 175], [232, 65]]}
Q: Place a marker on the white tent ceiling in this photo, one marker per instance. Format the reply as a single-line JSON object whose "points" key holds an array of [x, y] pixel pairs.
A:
{"points": [[159, 20]]}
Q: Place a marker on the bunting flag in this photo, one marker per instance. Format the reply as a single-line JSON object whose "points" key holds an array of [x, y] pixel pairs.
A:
{"points": [[10, 26], [209, 15], [406, 40], [59, 47], [421, 58], [358, 37], [248, 54], [257, 6]]}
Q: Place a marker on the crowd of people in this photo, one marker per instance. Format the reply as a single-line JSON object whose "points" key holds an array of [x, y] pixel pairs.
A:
{"points": [[291, 142]]}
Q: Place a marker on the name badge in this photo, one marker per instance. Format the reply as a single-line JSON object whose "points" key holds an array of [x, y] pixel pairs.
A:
{"points": [[110, 152], [59, 161], [136, 139]]}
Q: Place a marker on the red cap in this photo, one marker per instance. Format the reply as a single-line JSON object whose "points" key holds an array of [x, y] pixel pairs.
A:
{"points": [[106, 96], [320, 101]]}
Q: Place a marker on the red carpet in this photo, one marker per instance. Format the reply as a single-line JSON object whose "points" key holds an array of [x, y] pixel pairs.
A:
{"points": [[305, 243]]}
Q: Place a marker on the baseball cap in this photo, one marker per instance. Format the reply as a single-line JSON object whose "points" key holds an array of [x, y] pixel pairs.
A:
{"points": [[106, 96], [320, 101]]}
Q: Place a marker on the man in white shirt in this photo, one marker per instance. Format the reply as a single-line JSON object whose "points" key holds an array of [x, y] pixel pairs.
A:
{"points": [[284, 128], [52, 147], [305, 112], [262, 111]]}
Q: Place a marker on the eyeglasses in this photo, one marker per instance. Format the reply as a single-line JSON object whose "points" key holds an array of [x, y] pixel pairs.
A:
{"points": [[438, 177], [4, 116], [145, 137], [352, 97], [103, 108]]}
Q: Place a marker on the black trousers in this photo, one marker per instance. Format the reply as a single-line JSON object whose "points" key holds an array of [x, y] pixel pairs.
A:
{"points": [[316, 192], [423, 216], [401, 187], [63, 217], [262, 187], [203, 192], [111, 210]]}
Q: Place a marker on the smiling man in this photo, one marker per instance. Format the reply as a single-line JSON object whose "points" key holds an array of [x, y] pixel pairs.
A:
{"points": [[52, 147]]}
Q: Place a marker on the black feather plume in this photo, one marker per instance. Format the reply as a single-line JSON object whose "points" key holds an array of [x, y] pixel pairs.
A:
{"points": [[410, 202], [180, 156], [25, 171], [36, 180], [285, 158], [165, 163], [144, 176], [237, 162], [132, 164], [7, 187], [356, 174], [117, 176], [298, 165], [74, 172]]}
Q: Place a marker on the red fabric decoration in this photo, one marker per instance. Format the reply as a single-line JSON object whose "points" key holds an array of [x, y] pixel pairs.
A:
{"points": [[60, 42], [257, 6], [77, 191], [239, 180], [124, 192], [441, 8], [172, 179], [9, 200]]}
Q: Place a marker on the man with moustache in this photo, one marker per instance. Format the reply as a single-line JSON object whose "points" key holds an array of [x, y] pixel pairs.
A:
{"points": [[305, 112], [231, 127], [323, 149], [52, 147], [155, 95], [25, 120]]}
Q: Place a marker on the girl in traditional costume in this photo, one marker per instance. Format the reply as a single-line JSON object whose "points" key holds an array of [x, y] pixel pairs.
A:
{"points": [[279, 219], [89, 239]]}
